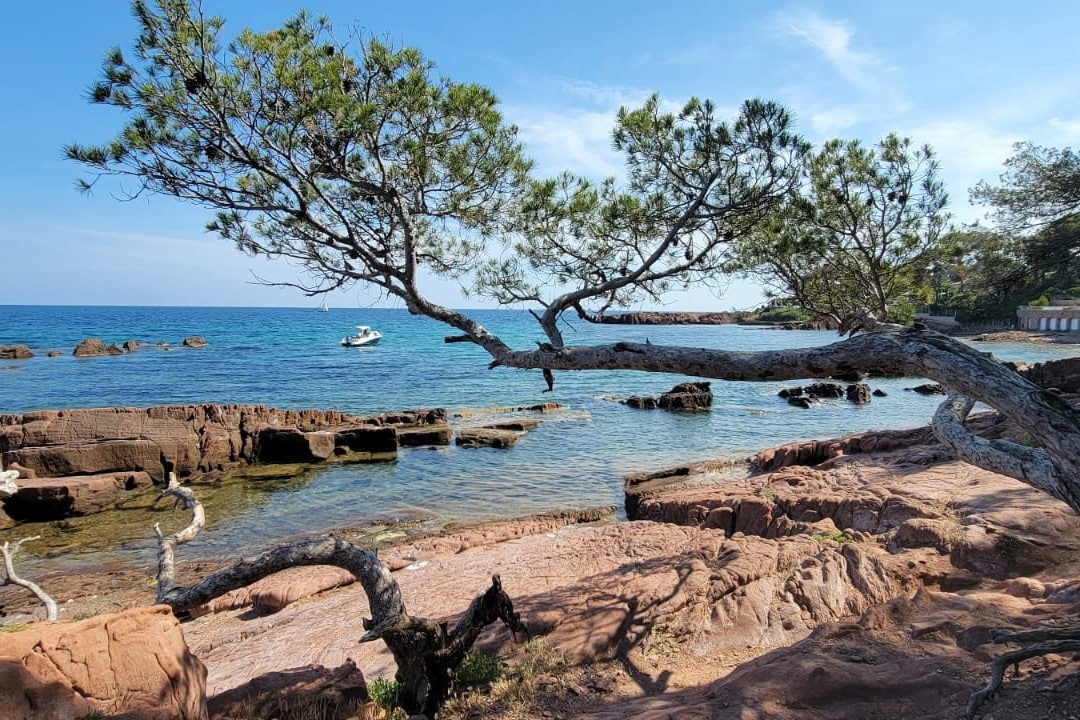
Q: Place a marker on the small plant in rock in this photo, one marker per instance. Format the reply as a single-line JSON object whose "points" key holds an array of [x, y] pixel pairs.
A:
{"points": [[769, 494], [837, 537]]}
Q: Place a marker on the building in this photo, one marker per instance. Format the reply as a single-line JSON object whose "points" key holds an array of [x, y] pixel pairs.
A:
{"points": [[1062, 316]]}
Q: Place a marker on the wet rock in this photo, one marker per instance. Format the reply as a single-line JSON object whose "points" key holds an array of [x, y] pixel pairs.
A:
{"points": [[195, 341], [15, 352], [928, 389], [95, 347], [487, 437], [425, 436], [684, 396], [42, 500], [858, 393]]}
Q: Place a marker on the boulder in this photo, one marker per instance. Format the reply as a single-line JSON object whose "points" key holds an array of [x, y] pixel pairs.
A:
{"points": [[424, 436], [134, 664], [927, 389], [684, 396], [858, 393], [95, 347], [274, 592], [804, 396], [336, 692], [195, 342], [131, 345], [15, 352]]}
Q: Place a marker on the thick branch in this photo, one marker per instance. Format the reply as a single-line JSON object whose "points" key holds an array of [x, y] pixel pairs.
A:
{"points": [[1051, 422], [13, 579], [1033, 465]]}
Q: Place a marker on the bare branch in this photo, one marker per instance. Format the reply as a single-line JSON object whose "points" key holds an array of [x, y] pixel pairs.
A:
{"points": [[167, 544], [13, 579]]}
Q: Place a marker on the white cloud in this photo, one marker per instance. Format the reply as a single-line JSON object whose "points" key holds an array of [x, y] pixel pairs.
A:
{"points": [[568, 139], [833, 39], [1068, 131], [829, 123], [968, 152]]}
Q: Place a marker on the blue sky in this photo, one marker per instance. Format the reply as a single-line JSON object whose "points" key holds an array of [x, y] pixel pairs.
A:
{"points": [[968, 78]]}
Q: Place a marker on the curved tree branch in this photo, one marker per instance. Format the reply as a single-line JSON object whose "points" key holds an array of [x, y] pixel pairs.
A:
{"points": [[1052, 423], [11, 578]]}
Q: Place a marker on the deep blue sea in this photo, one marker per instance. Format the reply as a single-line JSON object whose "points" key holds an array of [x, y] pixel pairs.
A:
{"points": [[292, 358]]}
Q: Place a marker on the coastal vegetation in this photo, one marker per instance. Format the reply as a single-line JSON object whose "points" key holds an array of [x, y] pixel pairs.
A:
{"points": [[369, 168]]}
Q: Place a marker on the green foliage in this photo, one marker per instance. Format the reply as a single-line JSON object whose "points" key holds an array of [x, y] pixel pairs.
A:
{"points": [[784, 313], [769, 494], [384, 693], [349, 157], [693, 183], [860, 234], [479, 668], [837, 537], [1039, 186], [1041, 301], [14, 627]]}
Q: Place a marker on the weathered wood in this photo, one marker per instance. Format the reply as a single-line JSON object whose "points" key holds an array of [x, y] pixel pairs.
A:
{"points": [[426, 652], [12, 578]]}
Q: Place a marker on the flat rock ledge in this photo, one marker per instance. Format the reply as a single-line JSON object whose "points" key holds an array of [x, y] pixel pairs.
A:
{"points": [[75, 462]]}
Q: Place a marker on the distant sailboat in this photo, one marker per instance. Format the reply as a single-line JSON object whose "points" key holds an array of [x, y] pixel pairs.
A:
{"points": [[324, 307]]}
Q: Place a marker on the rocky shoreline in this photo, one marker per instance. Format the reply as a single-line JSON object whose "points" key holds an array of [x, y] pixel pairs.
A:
{"points": [[849, 578]]}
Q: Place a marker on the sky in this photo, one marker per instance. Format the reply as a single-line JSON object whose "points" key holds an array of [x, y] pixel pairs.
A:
{"points": [[967, 78]]}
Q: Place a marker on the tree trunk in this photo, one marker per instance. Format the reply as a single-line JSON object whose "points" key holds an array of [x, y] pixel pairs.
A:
{"points": [[1051, 464]]}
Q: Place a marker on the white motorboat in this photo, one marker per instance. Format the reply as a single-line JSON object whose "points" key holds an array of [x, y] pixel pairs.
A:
{"points": [[364, 336]]}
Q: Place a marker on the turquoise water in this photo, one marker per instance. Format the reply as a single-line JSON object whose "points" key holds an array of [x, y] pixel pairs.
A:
{"points": [[291, 358]]}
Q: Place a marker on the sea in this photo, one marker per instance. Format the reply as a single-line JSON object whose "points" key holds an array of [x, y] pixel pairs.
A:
{"points": [[292, 358]]}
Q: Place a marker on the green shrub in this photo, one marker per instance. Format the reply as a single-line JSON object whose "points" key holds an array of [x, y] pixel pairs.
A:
{"points": [[479, 668], [1041, 301], [384, 693], [784, 313]]}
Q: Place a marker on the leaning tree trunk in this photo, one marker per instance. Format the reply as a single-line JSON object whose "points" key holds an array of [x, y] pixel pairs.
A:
{"points": [[427, 653], [1051, 463]]}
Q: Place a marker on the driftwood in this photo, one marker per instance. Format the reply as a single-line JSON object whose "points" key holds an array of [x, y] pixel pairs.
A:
{"points": [[427, 653], [7, 482], [11, 578]]}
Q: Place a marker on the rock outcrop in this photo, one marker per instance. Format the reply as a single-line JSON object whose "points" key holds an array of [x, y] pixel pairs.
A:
{"points": [[15, 352], [85, 460], [668, 318], [95, 347], [684, 396], [135, 665]]}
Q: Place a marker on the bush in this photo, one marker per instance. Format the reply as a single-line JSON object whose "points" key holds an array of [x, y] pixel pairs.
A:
{"points": [[784, 313], [1041, 301], [384, 693], [479, 668]]}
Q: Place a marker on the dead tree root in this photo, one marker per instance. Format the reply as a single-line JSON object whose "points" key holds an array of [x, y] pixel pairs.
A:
{"points": [[1036, 643]]}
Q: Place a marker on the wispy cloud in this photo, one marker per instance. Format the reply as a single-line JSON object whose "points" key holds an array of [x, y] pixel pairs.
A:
{"points": [[833, 39], [968, 152], [568, 139]]}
